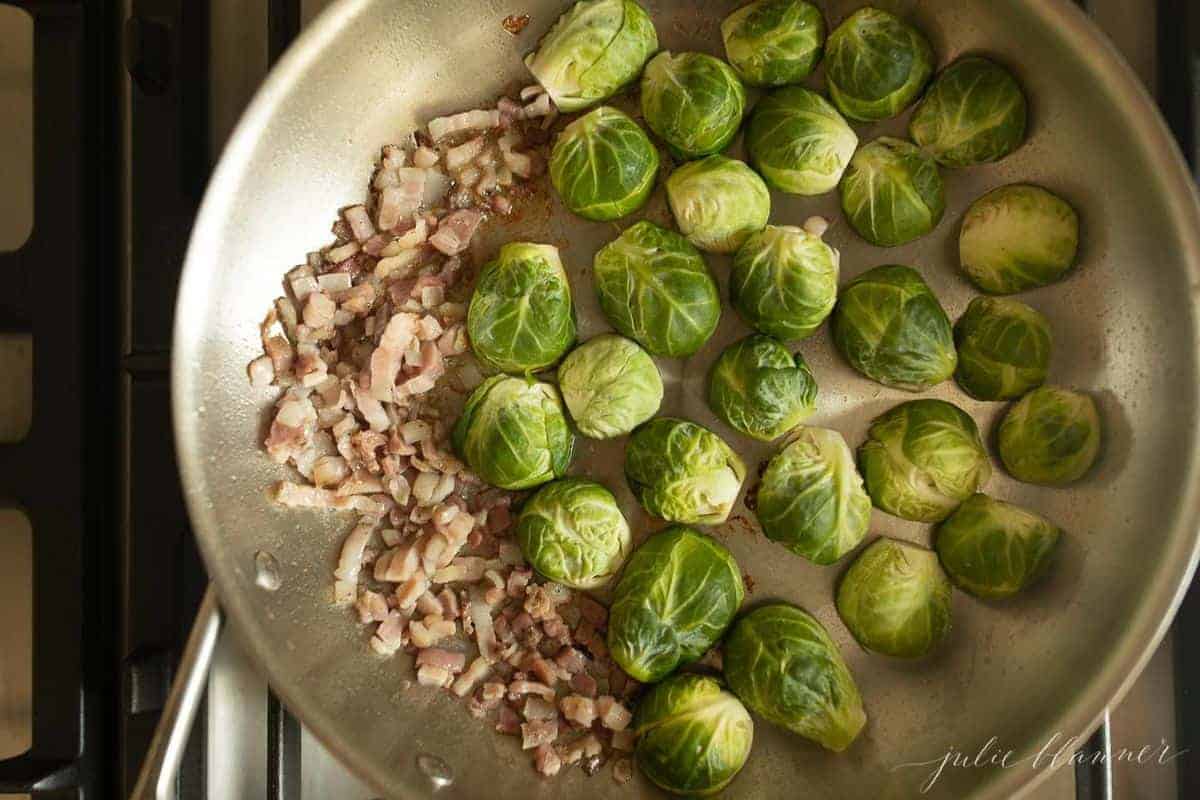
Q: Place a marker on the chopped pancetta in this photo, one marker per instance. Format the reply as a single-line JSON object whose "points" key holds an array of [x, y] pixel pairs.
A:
{"points": [[475, 120], [538, 732], [455, 231]]}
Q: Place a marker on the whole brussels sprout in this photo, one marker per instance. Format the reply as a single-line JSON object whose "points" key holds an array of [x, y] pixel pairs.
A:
{"points": [[603, 165], [610, 386], [573, 532], [677, 595], [1003, 348], [694, 102], [922, 458], [521, 318], [759, 388], [513, 434], [1051, 436], [784, 281], [774, 42], [1018, 237], [994, 549], [718, 202], [891, 328], [798, 142], [683, 472], [655, 288], [895, 599], [973, 113], [811, 498], [892, 193], [782, 664], [593, 51], [693, 736], [876, 64]]}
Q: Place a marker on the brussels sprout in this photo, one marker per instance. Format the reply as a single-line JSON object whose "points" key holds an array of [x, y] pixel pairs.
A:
{"points": [[693, 736], [610, 386], [593, 50], [677, 595], [1050, 437], [1003, 348], [513, 434], [798, 142], [655, 288], [892, 193], [972, 114], [718, 202], [784, 281], [774, 42], [811, 498], [922, 458], [876, 64], [895, 599], [603, 165], [759, 388], [891, 328], [683, 472], [521, 318], [994, 549], [694, 102], [1018, 237], [782, 664], [572, 532]]}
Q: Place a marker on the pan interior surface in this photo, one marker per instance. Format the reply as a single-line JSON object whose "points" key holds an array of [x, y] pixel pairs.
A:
{"points": [[1024, 672]]}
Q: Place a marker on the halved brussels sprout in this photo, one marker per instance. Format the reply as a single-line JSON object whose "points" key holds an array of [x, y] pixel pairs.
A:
{"points": [[895, 599], [593, 50], [1003, 348], [694, 102], [876, 64], [1050, 437], [782, 664], [973, 113], [603, 165], [683, 472], [758, 387], [995, 549], [718, 202], [521, 318], [573, 532], [922, 458], [1018, 237], [798, 142], [811, 498], [774, 42], [784, 281], [677, 595], [892, 193], [655, 288], [513, 434], [693, 736], [610, 386], [891, 328]]}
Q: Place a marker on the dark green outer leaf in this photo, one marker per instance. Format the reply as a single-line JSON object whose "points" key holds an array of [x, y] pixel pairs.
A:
{"points": [[683, 472], [655, 288], [1050, 437], [603, 165], [876, 64], [758, 387], [693, 102], [973, 113], [784, 282], [718, 202], [798, 142], [782, 664], [774, 42], [677, 595], [994, 549], [1003, 348], [892, 193], [572, 531]]}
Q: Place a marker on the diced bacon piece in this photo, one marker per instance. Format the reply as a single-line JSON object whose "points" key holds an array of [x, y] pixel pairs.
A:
{"points": [[335, 282], [542, 669], [397, 565], [424, 487], [499, 519], [464, 154], [584, 684], [285, 442], [435, 547], [517, 581], [521, 623], [546, 760], [303, 286], [538, 708], [428, 328], [430, 631], [540, 107], [261, 371], [485, 634], [538, 732], [403, 197], [448, 660], [571, 660], [294, 495], [520, 688], [475, 120], [449, 601], [530, 92], [371, 607], [439, 677], [492, 692], [465, 684], [424, 157], [360, 222], [390, 635], [397, 267], [393, 156], [358, 299], [612, 714], [370, 408], [339, 254], [521, 164], [578, 709], [502, 205], [541, 602], [350, 560], [408, 592], [376, 245], [429, 604], [455, 232], [385, 360], [507, 721], [510, 108], [360, 482], [592, 611], [343, 592]]}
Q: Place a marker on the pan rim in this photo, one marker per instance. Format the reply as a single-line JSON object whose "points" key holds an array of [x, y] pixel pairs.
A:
{"points": [[1105, 687]]}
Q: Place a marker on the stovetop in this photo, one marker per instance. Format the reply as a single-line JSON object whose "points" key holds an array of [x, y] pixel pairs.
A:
{"points": [[170, 94]]}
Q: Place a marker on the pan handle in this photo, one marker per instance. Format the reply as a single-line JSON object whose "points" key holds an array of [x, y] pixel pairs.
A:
{"points": [[157, 779]]}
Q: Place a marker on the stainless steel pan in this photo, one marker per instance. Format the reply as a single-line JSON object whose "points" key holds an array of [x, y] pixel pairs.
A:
{"points": [[1125, 324]]}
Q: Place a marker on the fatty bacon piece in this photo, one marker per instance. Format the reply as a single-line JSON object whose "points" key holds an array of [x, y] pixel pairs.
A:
{"points": [[398, 337]]}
